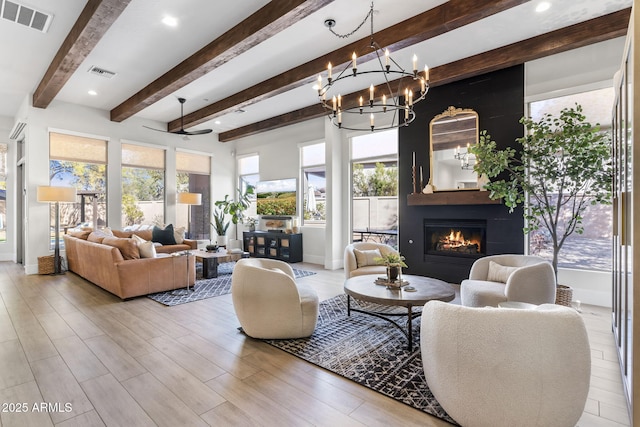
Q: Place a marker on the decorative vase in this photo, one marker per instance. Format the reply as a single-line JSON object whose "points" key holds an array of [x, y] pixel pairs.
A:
{"points": [[392, 272], [221, 240]]}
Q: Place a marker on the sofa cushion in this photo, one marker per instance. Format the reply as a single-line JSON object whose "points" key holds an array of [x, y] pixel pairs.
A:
{"points": [[367, 257], [128, 247], [79, 234], [97, 236], [144, 234], [499, 273], [164, 236]]}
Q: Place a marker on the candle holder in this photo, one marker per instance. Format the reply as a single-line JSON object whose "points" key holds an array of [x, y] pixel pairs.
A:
{"points": [[413, 174]]}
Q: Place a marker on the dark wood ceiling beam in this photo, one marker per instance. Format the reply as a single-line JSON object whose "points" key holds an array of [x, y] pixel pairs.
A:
{"points": [[261, 25], [94, 21], [593, 31], [439, 20]]}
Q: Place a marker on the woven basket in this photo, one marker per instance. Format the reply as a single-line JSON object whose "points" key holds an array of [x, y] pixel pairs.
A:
{"points": [[564, 295], [46, 264]]}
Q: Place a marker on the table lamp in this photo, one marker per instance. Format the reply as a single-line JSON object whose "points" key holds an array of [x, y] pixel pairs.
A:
{"points": [[48, 194]]}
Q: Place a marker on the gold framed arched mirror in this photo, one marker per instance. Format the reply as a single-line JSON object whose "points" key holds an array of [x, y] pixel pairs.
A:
{"points": [[452, 133]]}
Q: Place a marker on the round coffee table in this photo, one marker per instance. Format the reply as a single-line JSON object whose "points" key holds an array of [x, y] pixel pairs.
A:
{"points": [[364, 288]]}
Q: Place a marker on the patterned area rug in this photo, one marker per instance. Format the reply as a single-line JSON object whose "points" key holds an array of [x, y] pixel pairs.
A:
{"points": [[369, 351], [207, 288]]}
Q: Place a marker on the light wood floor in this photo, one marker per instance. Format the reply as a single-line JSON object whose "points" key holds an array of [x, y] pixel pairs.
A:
{"points": [[139, 363]]}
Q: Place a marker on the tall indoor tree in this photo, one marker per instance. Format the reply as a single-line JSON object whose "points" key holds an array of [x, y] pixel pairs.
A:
{"points": [[562, 166]]}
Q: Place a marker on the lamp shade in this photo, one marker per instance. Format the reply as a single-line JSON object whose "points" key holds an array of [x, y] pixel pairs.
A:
{"points": [[48, 193], [190, 198]]}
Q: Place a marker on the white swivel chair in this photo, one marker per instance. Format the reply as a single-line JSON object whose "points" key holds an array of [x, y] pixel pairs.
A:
{"points": [[359, 258], [504, 367], [497, 278], [268, 301]]}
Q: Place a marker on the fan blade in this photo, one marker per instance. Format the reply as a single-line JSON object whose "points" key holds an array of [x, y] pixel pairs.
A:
{"points": [[199, 132], [157, 130]]}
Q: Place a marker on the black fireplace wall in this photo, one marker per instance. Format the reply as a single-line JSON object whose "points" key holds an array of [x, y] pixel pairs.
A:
{"points": [[498, 98]]}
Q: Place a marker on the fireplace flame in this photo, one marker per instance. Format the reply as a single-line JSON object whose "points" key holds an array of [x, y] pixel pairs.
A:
{"points": [[454, 240]]}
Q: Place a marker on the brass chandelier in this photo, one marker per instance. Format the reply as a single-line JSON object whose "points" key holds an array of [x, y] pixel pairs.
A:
{"points": [[385, 106]]}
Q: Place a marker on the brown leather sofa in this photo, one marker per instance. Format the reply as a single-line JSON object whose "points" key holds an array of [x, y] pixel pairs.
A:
{"points": [[105, 266]]}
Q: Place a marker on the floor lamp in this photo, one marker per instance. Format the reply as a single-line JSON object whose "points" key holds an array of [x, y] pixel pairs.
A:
{"points": [[189, 199], [48, 194]]}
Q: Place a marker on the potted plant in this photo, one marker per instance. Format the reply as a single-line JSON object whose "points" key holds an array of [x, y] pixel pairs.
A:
{"points": [[394, 262], [221, 224], [562, 166], [251, 222], [236, 208]]}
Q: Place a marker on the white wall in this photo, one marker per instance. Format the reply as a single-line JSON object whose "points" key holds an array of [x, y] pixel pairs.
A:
{"points": [[73, 118]]}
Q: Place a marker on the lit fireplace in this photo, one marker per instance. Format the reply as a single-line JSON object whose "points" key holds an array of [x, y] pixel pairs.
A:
{"points": [[455, 237], [456, 241]]}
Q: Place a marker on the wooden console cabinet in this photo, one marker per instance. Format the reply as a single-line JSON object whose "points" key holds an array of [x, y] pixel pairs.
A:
{"points": [[267, 244]]}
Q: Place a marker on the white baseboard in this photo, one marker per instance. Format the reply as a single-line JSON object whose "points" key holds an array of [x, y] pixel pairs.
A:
{"points": [[313, 259]]}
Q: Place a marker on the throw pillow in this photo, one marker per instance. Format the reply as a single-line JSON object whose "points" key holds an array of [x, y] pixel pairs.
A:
{"points": [[146, 249], [164, 236], [499, 273], [139, 240], [367, 257], [178, 234], [128, 247]]}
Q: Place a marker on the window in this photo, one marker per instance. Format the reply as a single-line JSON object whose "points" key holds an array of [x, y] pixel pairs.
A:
{"points": [[314, 183], [374, 178], [193, 176], [3, 192], [80, 162], [592, 249], [248, 176], [142, 185]]}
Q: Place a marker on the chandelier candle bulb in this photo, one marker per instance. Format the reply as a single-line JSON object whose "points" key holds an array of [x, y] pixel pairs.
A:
{"points": [[361, 103], [386, 59], [415, 64], [334, 101], [354, 65], [384, 103], [329, 72], [339, 101], [426, 73], [371, 121], [371, 95]]}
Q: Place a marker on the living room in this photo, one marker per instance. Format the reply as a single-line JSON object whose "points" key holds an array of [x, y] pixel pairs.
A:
{"points": [[582, 69]]}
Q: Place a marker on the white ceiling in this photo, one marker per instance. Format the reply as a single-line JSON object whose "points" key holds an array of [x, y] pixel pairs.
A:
{"points": [[139, 48]]}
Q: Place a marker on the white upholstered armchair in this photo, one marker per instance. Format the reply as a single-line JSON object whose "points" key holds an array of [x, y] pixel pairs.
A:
{"points": [[359, 258], [497, 278], [494, 367], [268, 301]]}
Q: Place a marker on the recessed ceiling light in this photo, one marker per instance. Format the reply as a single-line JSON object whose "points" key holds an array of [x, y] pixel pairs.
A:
{"points": [[218, 122], [542, 6], [92, 93], [170, 21]]}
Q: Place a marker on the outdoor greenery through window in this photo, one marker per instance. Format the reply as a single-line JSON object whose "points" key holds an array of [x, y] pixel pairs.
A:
{"points": [[142, 185], [590, 250], [314, 183], [375, 187], [80, 162], [193, 176]]}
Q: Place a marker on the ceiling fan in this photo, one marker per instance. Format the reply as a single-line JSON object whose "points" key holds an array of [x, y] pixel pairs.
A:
{"points": [[181, 131]]}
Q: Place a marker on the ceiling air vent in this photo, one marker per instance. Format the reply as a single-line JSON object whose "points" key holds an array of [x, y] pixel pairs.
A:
{"points": [[25, 15], [101, 72], [18, 127]]}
